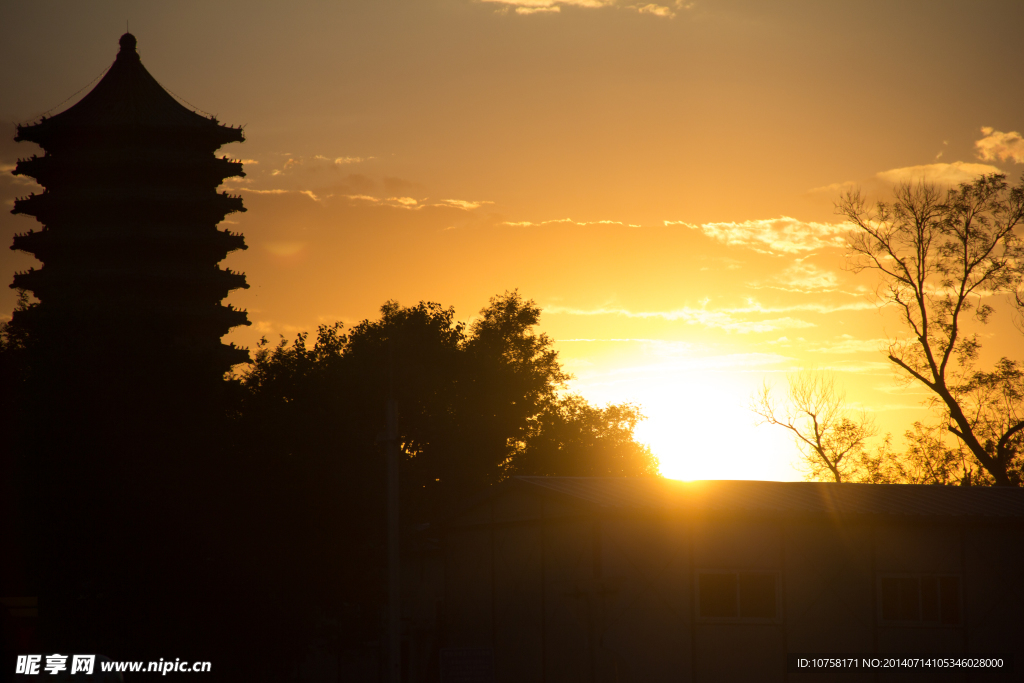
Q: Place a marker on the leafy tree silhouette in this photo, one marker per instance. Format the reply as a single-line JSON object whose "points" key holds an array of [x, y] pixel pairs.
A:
{"points": [[477, 404]]}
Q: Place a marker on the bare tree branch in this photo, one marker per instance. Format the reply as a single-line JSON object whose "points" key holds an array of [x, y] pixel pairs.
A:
{"points": [[815, 411], [939, 257]]}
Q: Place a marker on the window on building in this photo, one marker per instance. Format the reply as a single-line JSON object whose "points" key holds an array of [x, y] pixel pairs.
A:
{"points": [[920, 599], [737, 595]]}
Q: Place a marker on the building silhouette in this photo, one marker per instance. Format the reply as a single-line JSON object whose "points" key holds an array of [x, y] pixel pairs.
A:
{"points": [[129, 240], [622, 579]]}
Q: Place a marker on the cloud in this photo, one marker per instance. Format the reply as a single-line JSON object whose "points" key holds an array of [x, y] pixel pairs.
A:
{"points": [[847, 344], [548, 4], [567, 221], [397, 202], [656, 10], [833, 188], [806, 277], [775, 235], [284, 248], [401, 186], [946, 174], [952, 173], [348, 160], [676, 347], [463, 204], [724, 319], [881, 368], [527, 7], [999, 145], [535, 6], [734, 319], [316, 163], [721, 262]]}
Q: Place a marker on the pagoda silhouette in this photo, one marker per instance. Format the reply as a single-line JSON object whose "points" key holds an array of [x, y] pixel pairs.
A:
{"points": [[129, 241], [119, 432]]}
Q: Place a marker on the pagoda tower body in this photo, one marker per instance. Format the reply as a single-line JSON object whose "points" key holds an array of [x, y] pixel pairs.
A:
{"points": [[129, 241]]}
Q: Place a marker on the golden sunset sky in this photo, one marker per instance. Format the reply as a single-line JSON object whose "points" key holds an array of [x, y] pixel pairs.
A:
{"points": [[659, 178]]}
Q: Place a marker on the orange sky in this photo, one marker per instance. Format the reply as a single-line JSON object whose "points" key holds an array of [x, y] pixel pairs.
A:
{"points": [[658, 177]]}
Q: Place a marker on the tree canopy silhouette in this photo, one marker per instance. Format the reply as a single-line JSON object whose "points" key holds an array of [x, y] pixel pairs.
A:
{"points": [[477, 403]]}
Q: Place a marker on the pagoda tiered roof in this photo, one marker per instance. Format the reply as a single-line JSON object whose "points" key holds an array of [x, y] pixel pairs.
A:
{"points": [[129, 102], [129, 240], [170, 238], [123, 204], [155, 164], [212, 283]]}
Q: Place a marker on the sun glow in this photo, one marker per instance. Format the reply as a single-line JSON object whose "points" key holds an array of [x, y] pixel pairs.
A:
{"points": [[698, 422], [702, 429]]}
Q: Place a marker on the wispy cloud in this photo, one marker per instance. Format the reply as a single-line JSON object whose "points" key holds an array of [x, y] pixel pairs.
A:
{"points": [[656, 10], [550, 5], [742, 362], [775, 235], [635, 340], [952, 173], [395, 202], [805, 277], [317, 162], [835, 188], [340, 161], [463, 204], [725, 318], [538, 10], [566, 221], [999, 145], [719, 262], [526, 7], [284, 248], [847, 344], [880, 368], [721, 319]]}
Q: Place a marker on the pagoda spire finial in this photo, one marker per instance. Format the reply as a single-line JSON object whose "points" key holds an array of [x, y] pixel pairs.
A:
{"points": [[127, 43]]}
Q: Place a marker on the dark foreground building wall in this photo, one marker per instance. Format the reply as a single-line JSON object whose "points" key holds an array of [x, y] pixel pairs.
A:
{"points": [[574, 579]]}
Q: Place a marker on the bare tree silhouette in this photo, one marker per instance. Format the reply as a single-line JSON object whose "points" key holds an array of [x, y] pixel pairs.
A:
{"points": [[938, 257], [831, 437]]}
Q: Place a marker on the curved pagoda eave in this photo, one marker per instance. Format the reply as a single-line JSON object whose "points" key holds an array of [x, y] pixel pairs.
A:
{"points": [[86, 170], [130, 106]]}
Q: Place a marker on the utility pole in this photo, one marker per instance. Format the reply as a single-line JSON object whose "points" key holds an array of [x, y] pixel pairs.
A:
{"points": [[394, 568]]}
